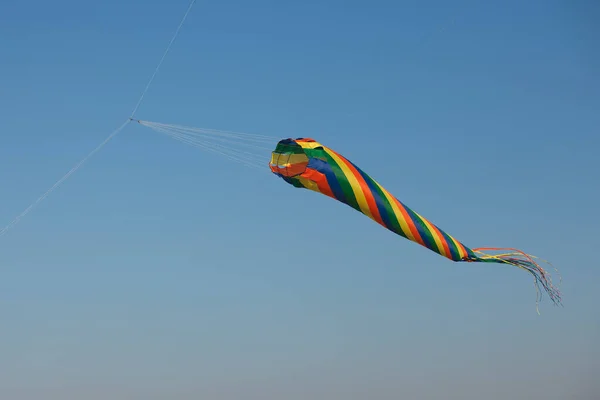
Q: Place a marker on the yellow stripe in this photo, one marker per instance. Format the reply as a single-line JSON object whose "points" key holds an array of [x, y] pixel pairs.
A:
{"points": [[362, 202], [287, 159], [437, 238], [460, 248], [309, 184], [309, 145], [398, 213], [354, 184]]}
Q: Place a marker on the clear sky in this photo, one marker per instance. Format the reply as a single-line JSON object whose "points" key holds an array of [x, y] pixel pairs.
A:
{"points": [[161, 271]]}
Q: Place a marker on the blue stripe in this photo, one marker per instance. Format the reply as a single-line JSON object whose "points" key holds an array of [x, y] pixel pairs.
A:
{"points": [[423, 231], [323, 167], [453, 249], [417, 222], [385, 217]]}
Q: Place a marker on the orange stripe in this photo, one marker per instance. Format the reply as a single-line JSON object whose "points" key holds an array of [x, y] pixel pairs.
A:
{"points": [[443, 240], [462, 247], [409, 221], [293, 169], [407, 218], [365, 188], [320, 179]]}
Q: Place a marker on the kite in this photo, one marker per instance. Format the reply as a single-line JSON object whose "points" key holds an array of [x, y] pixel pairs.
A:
{"points": [[305, 163]]}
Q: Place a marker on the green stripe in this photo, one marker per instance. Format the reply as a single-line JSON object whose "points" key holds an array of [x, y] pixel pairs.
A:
{"points": [[343, 182], [428, 239], [391, 216], [288, 148], [294, 182], [455, 254]]}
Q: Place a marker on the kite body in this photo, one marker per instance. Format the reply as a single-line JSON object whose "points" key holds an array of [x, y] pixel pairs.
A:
{"points": [[305, 163]]}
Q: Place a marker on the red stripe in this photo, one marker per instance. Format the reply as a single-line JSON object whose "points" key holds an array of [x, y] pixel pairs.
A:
{"points": [[290, 171], [320, 179], [409, 221], [365, 189], [443, 240]]}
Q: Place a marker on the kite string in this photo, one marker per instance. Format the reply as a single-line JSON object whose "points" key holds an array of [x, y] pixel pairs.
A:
{"points": [[161, 60], [238, 146], [111, 136], [215, 138], [214, 132], [207, 146], [249, 159], [61, 180]]}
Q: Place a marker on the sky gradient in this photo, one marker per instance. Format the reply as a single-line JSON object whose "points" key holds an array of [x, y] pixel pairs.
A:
{"points": [[161, 271]]}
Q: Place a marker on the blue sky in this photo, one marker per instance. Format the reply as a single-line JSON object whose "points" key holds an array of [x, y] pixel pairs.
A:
{"points": [[158, 270]]}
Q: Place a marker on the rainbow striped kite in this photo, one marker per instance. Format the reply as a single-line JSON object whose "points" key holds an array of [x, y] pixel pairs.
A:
{"points": [[305, 163]]}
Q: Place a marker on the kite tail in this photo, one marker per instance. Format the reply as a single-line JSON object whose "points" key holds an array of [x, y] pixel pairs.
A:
{"points": [[526, 262]]}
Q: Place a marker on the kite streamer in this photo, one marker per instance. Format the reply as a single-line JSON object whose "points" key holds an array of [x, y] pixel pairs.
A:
{"points": [[305, 163]]}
